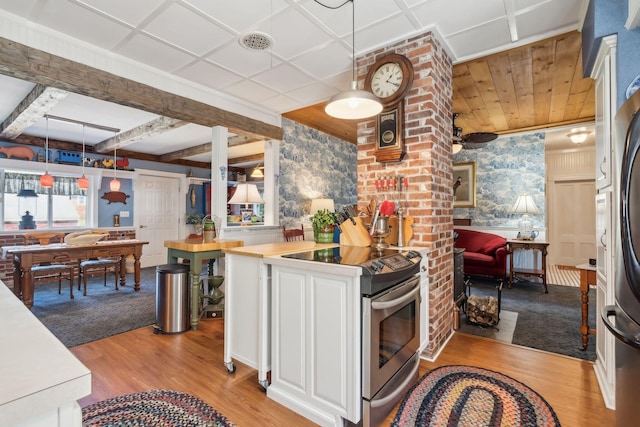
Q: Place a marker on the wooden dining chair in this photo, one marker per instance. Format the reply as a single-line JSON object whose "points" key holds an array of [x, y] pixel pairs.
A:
{"points": [[97, 266], [294, 234], [50, 272]]}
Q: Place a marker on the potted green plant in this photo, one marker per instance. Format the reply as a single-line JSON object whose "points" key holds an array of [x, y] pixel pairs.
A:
{"points": [[209, 229], [195, 219], [323, 223]]}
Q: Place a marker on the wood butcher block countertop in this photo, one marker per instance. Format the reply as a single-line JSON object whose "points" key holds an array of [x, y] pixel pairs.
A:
{"points": [[197, 245], [273, 249]]}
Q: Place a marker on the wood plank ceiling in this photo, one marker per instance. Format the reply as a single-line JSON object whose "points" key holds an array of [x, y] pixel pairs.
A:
{"points": [[535, 86]]}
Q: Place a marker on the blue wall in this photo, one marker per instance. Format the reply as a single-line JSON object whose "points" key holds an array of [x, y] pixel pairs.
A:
{"points": [[314, 165], [505, 168], [606, 17]]}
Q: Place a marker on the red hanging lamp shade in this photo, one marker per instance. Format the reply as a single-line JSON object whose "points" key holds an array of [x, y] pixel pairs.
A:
{"points": [[83, 182], [46, 180]]}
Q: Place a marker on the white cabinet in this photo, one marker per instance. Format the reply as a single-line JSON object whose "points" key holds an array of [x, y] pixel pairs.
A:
{"points": [[604, 72], [315, 335]]}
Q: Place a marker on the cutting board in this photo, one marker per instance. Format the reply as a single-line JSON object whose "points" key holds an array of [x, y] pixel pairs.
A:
{"points": [[354, 234], [407, 230]]}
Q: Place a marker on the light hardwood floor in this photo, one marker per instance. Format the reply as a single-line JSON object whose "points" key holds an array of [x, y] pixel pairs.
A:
{"points": [[192, 363]]}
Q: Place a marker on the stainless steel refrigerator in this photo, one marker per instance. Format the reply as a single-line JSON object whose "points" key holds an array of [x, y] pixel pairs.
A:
{"points": [[623, 318]]}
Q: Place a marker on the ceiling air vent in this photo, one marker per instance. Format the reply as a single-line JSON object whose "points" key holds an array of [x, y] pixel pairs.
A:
{"points": [[256, 41]]}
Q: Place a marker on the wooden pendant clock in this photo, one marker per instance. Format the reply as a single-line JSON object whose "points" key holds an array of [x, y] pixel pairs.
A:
{"points": [[390, 79]]}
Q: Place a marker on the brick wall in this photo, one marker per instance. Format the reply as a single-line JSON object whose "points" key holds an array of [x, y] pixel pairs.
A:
{"points": [[6, 265], [428, 166]]}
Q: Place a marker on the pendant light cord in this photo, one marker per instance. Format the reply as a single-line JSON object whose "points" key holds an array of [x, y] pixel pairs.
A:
{"points": [[353, 31], [46, 149]]}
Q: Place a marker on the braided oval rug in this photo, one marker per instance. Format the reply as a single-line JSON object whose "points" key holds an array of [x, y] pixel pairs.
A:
{"points": [[457, 396], [154, 408]]}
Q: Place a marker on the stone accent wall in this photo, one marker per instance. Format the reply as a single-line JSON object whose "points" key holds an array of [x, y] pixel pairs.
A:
{"points": [[427, 165], [6, 265]]}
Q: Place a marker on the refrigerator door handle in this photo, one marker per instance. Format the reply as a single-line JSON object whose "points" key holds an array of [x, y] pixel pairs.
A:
{"points": [[623, 327]]}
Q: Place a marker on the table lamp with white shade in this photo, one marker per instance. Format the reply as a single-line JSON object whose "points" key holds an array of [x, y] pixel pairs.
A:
{"points": [[320, 204], [246, 194], [525, 205]]}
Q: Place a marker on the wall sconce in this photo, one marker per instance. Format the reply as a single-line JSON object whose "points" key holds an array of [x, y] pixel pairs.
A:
{"points": [[578, 135], [456, 147], [257, 172]]}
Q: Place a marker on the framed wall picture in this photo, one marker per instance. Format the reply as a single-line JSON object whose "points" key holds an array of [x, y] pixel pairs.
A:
{"points": [[464, 185]]}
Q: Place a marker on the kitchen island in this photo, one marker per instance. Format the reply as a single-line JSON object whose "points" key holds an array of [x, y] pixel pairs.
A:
{"points": [[247, 303], [41, 380], [196, 251]]}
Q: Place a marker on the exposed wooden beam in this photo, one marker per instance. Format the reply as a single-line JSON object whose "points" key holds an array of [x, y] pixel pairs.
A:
{"points": [[154, 127], [26, 63], [187, 152], [245, 159], [36, 104], [34, 141], [233, 141]]}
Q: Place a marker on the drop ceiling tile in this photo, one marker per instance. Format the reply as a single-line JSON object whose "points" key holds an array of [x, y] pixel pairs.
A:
{"points": [[548, 18], [24, 8], [171, 23], [239, 15], [383, 33], [131, 12], [293, 34], [313, 93], [208, 74], [449, 20], [283, 77], [251, 91], [326, 61], [282, 103], [143, 48], [240, 60], [478, 41], [79, 22]]}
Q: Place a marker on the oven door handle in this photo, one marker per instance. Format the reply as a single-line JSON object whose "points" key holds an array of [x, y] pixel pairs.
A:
{"points": [[382, 305]]}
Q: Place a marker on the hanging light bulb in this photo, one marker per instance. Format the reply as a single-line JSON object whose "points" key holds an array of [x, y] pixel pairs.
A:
{"points": [[83, 182], [114, 184], [46, 180]]}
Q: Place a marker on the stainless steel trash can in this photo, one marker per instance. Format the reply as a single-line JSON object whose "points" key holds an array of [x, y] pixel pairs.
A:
{"points": [[172, 298]]}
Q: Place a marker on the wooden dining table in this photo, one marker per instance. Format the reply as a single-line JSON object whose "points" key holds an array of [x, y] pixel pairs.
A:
{"points": [[26, 256]]}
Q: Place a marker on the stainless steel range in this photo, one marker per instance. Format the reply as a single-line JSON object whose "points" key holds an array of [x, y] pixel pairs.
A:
{"points": [[390, 289]]}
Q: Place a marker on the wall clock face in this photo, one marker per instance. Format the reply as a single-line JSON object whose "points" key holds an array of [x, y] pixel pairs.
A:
{"points": [[386, 80], [390, 78]]}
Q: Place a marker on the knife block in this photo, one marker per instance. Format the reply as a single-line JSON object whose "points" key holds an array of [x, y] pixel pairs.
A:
{"points": [[354, 234]]}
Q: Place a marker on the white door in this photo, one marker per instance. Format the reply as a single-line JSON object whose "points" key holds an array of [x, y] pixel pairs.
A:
{"points": [[572, 217], [158, 211]]}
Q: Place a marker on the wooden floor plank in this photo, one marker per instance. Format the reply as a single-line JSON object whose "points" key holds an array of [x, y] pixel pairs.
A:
{"points": [[192, 362]]}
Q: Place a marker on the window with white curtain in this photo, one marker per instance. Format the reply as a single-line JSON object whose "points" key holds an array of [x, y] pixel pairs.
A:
{"points": [[62, 206]]}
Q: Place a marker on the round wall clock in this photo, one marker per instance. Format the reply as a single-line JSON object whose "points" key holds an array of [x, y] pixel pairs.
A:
{"points": [[390, 78]]}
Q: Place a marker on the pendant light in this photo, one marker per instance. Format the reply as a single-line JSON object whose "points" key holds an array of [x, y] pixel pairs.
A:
{"points": [[354, 103], [83, 182], [46, 180], [114, 184]]}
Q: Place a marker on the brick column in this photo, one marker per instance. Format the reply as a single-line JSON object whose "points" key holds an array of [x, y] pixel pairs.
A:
{"points": [[427, 165]]}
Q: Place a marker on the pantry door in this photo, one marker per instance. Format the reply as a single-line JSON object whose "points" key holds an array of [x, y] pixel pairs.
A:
{"points": [[158, 201]]}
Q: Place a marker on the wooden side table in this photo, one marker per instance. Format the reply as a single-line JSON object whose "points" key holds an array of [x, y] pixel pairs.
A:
{"points": [[516, 244], [587, 277]]}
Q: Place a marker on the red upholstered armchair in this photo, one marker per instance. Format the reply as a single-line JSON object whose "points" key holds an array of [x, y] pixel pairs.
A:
{"points": [[485, 253]]}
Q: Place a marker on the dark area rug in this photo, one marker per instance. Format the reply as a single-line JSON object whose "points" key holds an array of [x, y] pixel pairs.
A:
{"points": [[102, 313], [154, 408], [549, 322], [468, 396]]}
